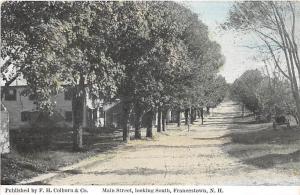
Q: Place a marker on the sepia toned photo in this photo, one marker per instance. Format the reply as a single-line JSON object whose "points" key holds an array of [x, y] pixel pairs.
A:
{"points": [[156, 93]]}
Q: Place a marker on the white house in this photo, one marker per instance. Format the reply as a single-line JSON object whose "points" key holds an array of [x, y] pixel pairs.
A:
{"points": [[23, 111]]}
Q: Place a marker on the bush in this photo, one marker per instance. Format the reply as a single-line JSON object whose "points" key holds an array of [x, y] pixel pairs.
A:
{"points": [[31, 139]]}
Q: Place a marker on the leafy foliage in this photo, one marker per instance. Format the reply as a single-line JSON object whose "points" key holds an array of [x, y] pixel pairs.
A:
{"points": [[149, 54], [275, 25], [244, 89]]}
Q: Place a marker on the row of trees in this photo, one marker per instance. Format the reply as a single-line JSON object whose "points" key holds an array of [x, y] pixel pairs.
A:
{"points": [[265, 95], [275, 25], [154, 56]]}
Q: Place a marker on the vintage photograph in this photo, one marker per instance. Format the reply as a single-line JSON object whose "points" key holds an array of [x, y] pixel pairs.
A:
{"points": [[150, 93]]}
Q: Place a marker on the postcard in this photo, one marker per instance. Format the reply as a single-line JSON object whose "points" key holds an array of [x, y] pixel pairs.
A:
{"points": [[143, 97]]}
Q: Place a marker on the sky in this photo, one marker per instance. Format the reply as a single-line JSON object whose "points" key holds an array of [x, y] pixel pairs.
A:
{"points": [[238, 57]]}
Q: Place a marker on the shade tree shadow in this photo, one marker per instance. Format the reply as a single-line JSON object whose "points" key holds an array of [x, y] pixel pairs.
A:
{"points": [[25, 162], [262, 146], [271, 160]]}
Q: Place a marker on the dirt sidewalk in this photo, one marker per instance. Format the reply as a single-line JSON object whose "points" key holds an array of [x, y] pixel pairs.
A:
{"points": [[205, 155]]}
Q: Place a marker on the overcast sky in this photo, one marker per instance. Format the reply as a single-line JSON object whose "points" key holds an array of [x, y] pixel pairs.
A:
{"points": [[238, 57]]}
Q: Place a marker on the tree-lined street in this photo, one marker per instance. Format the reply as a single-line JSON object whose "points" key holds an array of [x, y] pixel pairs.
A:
{"points": [[201, 156], [153, 56], [135, 92]]}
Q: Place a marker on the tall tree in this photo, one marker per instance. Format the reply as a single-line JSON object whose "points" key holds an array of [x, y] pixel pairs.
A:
{"points": [[64, 46], [156, 61], [274, 23], [244, 89]]}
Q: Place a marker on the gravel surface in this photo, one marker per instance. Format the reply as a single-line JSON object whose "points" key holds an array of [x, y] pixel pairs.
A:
{"points": [[208, 154]]}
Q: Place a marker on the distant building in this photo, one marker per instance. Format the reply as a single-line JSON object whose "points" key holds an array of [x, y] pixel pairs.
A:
{"points": [[23, 110], [113, 114]]}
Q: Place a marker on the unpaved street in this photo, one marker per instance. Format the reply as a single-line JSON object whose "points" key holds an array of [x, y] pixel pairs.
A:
{"points": [[201, 156]]}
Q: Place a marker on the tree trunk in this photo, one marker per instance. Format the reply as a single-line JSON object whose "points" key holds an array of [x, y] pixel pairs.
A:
{"points": [[297, 120], [164, 120], [149, 124], [207, 109], [125, 120], [243, 110], [192, 115], [137, 122], [298, 112], [291, 54], [178, 118], [201, 114], [77, 110], [186, 116], [159, 119]]}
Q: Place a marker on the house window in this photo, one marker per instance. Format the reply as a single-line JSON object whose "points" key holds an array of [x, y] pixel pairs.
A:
{"points": [[68, 94], [25, 116], [68, 116], [11, 95]]}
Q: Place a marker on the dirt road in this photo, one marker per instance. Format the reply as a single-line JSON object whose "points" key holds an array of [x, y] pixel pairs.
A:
{"points": [[205, 155]]}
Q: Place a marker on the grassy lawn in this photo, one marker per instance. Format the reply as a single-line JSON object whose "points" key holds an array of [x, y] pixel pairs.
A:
{"points": [[259, 145], [28, 159]]}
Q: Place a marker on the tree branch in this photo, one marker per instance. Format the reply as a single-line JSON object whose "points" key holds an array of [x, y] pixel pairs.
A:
{"points": [[274, 59]]}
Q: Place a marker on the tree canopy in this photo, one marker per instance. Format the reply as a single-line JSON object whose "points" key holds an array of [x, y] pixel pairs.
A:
{"points": [[275, 25], [149, 54]]}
